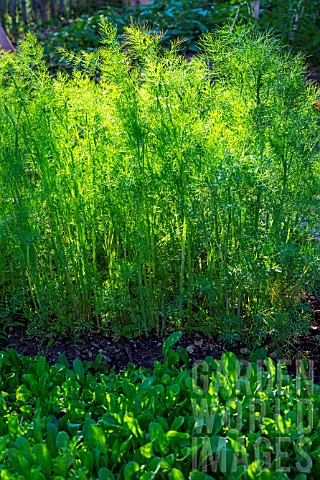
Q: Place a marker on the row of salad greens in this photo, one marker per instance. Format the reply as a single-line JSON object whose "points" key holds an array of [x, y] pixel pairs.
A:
{"points": [[218, 419]]}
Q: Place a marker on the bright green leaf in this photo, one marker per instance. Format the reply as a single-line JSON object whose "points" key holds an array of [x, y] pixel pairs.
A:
{"points": [[176, 474], [130, 470], [170, 341]]}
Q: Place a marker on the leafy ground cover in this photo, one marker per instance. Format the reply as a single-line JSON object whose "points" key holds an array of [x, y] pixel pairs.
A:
{"points": [[220, 419], [170, 194]]}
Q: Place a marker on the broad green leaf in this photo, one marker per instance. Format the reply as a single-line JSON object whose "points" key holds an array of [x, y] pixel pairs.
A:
{"points": [[33, 383], [86, 428], [21, 461], [166, 379], [133, 425], [255, 468], [63, 440], [27, 412], [43, 458], [23, 444], [254, 372], [168, 461], [111, 421], [183, 354], [6, 475], [158, 437], [41, 361], [170, 341], [146, 450], [23, 394], [105, 474], [125, 445], [128, 389], [3, 428], [210, 447], [73, 427], [193, 387], [213, 363], [13, 425], [280, 424], [217, 443], [115, 450], [226, 459], [36, 475], [199, 476], [42, 382], [97, 438], [147, 476], [271, 370], [154, 464], [98, 360], [62, 360], [266, 475], [52, 432], [173, 390], [87, 459], [13, 357], [179, 438], [259, 354], [147, 382], [213, 422], [130, 470], [163, 423], [172, 358], [61, 464], [231, 366], [37, 425], [177, 423], [176, 474], [79, 370]]}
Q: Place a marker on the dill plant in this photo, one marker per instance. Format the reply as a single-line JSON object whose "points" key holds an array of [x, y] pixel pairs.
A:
{"points": [[171, 193]]}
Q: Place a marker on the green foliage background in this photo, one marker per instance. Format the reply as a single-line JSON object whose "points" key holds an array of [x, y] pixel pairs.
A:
{"points": [[295, 21]]}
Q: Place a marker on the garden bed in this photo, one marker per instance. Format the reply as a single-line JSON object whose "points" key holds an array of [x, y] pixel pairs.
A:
{"points": [[143, 351], [173, 194]]}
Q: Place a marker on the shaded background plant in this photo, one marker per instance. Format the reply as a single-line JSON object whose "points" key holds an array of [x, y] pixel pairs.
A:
{"points": [[75, 24]]}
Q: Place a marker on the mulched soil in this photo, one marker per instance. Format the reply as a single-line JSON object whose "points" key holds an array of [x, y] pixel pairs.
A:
{"points": [[143, 351], [313, 74]]}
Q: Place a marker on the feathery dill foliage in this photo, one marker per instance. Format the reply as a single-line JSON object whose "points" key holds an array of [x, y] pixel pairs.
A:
{"points": [[169, 193]]}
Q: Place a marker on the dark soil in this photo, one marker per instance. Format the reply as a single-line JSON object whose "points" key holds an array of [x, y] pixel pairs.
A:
{"points": [[313, 74], [143, 351]]}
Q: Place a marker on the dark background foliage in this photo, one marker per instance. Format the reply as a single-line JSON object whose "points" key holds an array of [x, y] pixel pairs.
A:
{"points": [[74, 24]]}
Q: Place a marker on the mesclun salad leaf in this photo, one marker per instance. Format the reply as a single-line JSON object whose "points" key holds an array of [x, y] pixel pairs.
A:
{"points": [[220, 419], [170, 341]]}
